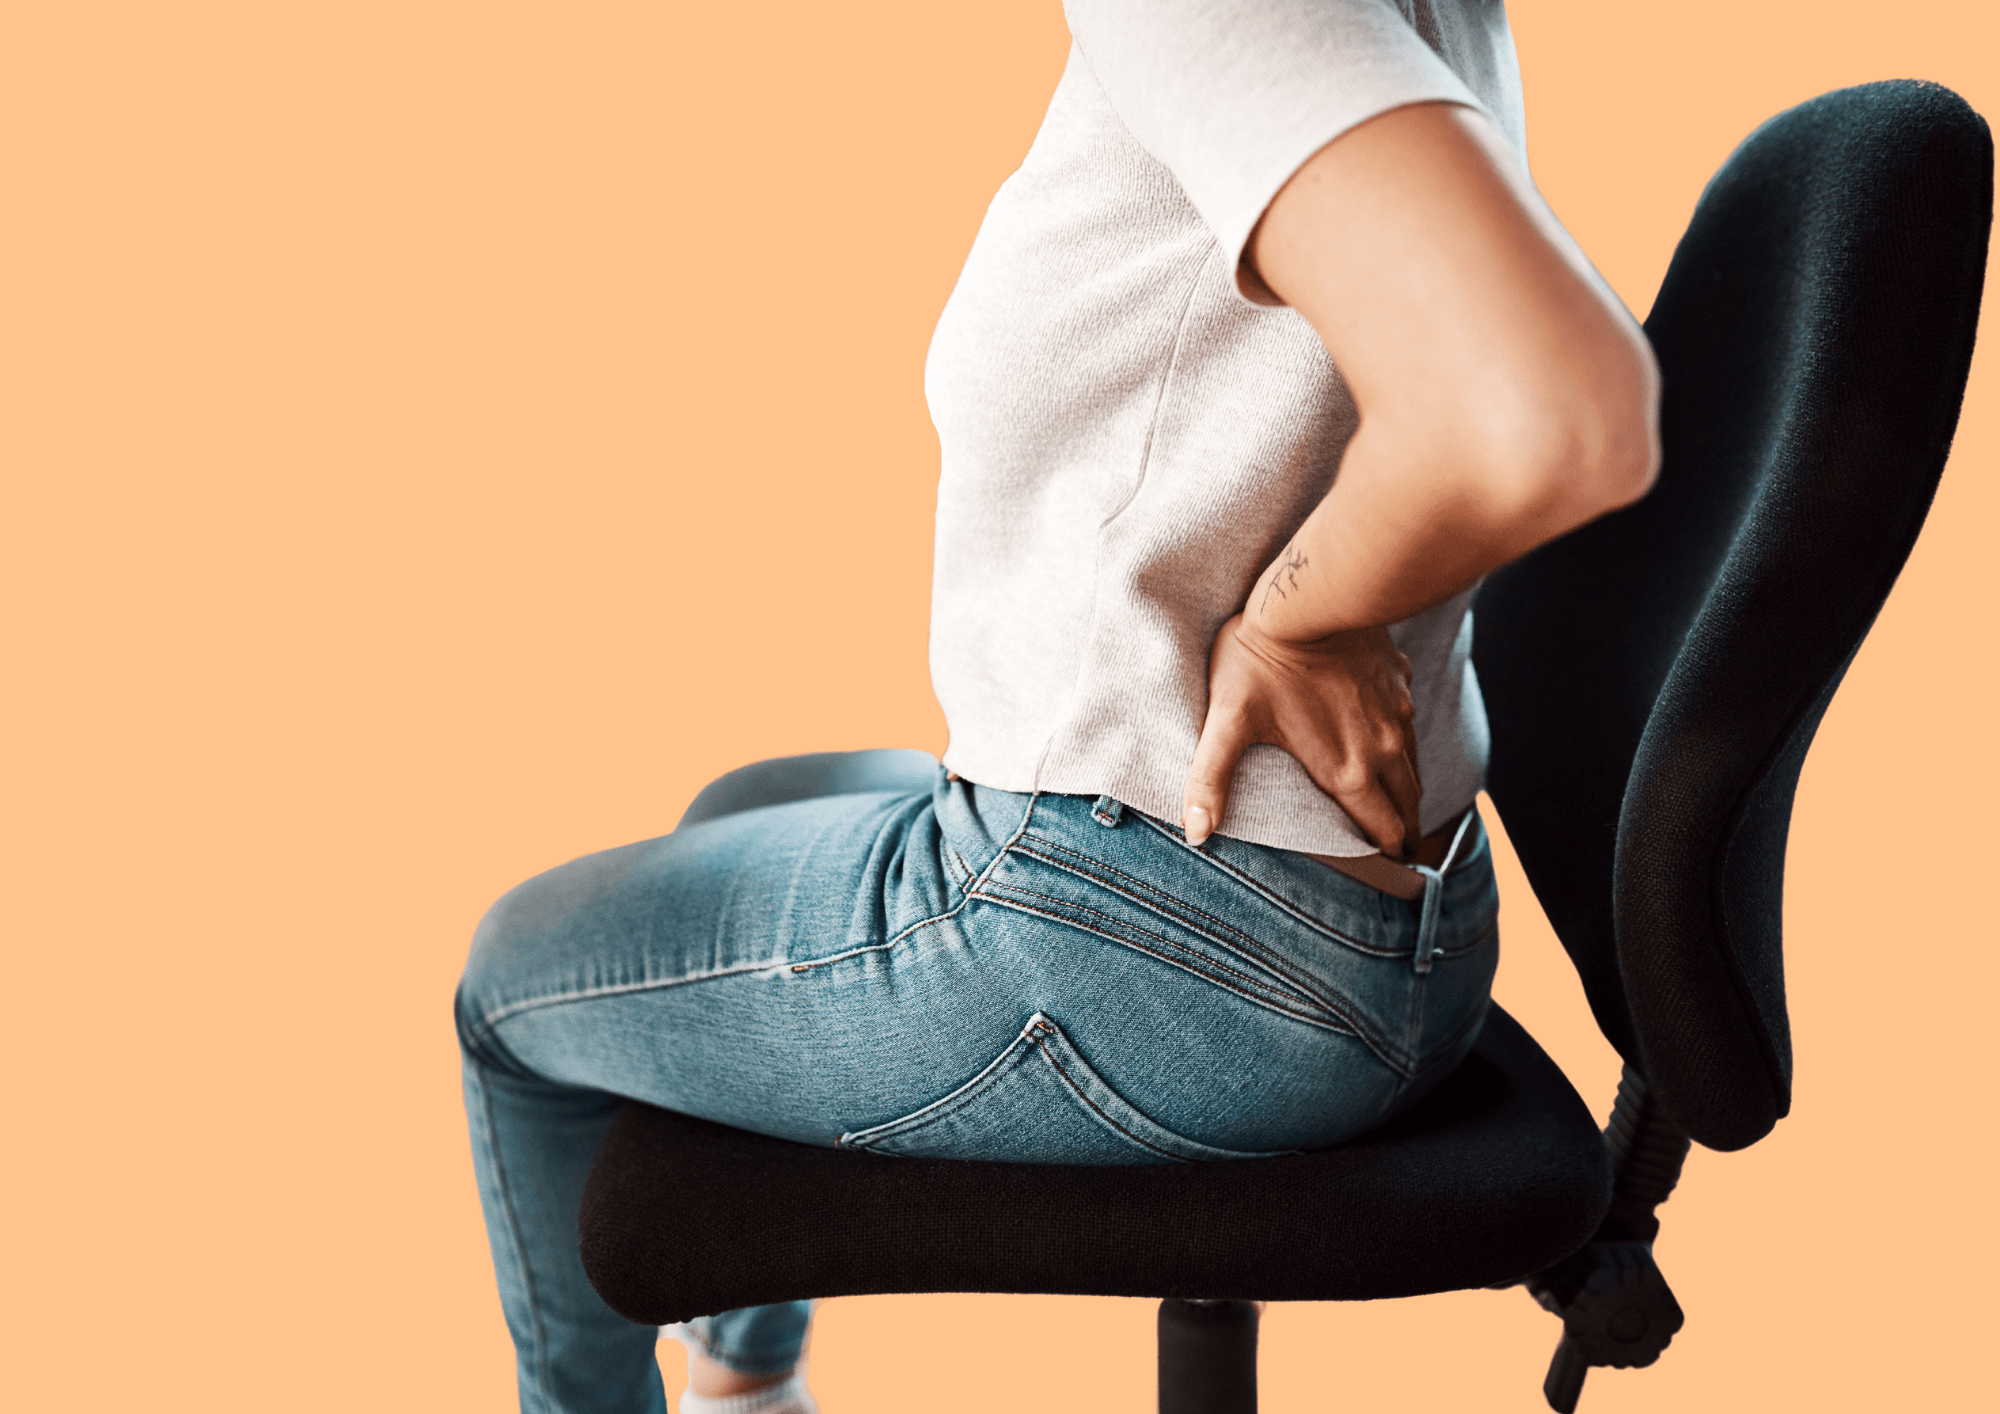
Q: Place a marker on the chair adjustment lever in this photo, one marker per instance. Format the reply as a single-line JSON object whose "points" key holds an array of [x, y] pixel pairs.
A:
{"points": [[1616, 1308]]}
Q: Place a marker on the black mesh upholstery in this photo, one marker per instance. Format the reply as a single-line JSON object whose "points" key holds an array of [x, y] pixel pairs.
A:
{"points": [[1499, 1172], [1655, 680]]}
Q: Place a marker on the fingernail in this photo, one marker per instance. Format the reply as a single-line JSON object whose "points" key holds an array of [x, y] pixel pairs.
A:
{"points": [[1195, 821]]}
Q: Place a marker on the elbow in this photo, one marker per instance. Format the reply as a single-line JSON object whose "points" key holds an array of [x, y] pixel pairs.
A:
{"points": [[1603, 458], [1621, 456], [1580, 443]]}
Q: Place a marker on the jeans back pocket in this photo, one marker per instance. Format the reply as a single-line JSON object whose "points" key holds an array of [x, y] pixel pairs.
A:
{"points": [[1039, 1102]]}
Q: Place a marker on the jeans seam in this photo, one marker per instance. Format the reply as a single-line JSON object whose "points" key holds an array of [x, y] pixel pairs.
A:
{"points": [[1355, 943], [968, 889], [481, 1043], [814, 962], [1491, 930], [1249, 882], [1248, 981], [501, 1013], [1268, 1004], [520, 1251], [1233, 937], [944, 1106], [715, 1351], [1345, 1019], [1042, 1045], [1027, 818]]}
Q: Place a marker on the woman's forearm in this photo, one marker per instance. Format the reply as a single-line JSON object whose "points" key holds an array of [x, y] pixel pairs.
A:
{"points": [[1405, 528], [1505, 395]]}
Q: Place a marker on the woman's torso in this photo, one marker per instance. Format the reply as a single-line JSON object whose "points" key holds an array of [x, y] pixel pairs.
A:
{"points": [[1126, 443]]}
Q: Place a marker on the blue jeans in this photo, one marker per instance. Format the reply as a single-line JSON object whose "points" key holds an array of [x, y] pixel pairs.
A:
{"points": [[852, 950]]}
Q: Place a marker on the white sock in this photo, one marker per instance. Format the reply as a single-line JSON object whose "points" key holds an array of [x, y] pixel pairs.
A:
{"points": [[788, 1397]]}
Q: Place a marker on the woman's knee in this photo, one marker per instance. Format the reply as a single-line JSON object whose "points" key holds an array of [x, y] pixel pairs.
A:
{"points": [[483, 985], [522, 949]]}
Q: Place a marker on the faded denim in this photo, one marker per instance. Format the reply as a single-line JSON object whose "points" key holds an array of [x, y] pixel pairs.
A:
{"points": [[854, 950]]}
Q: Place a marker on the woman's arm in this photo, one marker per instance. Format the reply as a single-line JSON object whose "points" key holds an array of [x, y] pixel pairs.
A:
{"points": [[1506, 397]]}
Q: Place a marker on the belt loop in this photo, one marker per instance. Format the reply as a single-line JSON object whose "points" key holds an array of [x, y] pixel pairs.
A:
{"points": [[1108, 812], [1457, 839], [1434, 896]]}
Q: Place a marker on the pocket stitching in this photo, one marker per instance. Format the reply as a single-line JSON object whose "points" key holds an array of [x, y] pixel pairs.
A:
{"points": [[1318, 926], [1491, 931], [1041, 1045], [1251, 986], [1230, 936], [1048, 1029], [815, 962], [945, 1104], [1264, 891], [1020, 1051], [1034, 1039], [1382, 1048]]}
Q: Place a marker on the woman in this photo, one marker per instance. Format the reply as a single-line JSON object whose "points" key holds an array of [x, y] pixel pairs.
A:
{"points": [[1199, 876]]}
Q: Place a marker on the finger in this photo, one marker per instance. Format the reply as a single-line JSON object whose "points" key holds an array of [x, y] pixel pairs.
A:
{"points": [[1415, 799], [1406, 793], [1358, 789], [1376, 814], [1224, 736]]}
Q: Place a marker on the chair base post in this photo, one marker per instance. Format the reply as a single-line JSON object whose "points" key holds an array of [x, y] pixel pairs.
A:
{"points": [[1208, 1357]]}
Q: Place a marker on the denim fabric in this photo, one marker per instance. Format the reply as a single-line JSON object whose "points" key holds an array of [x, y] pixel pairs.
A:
{"points": [[757, 1340], [930, 967]]}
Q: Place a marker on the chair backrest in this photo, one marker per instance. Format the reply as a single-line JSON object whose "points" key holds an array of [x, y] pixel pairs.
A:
{"points": [[1655, 679]]}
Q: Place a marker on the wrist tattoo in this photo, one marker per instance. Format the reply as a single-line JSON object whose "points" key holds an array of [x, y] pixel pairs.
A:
{"points": [[1285, 577]]}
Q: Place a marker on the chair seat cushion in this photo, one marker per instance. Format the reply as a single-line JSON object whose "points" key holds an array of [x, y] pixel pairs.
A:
{"points": [[1499, 1172]]}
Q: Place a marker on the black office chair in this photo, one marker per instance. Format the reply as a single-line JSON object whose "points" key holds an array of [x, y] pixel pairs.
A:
{"points": [[1653, 683]]}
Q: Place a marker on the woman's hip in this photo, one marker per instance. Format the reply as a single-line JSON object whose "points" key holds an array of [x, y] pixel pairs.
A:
{"points": [[979, 975]]}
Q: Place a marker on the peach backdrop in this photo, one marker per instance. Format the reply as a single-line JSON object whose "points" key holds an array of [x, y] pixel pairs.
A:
{"points": [[439, 437]]}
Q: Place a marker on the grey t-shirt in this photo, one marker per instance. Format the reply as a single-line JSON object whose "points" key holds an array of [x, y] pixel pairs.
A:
{"points": [[1132, 428]]}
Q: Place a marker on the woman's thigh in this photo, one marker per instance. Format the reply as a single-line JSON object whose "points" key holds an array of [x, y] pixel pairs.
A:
{"points": [[969, 973], [660, 970]]}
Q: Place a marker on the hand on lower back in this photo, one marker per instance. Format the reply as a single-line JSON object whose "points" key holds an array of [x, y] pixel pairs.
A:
{"points": [[1341, 706]]}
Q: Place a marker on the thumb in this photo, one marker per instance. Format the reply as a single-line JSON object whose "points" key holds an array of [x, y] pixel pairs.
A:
{"points": [[1223, 739]]}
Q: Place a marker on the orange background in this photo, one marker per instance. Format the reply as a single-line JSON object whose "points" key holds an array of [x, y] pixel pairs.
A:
{"points": [[439, 437]]}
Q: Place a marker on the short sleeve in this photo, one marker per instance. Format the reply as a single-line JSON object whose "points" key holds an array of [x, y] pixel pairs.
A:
{"points": [[1232, 96]]}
